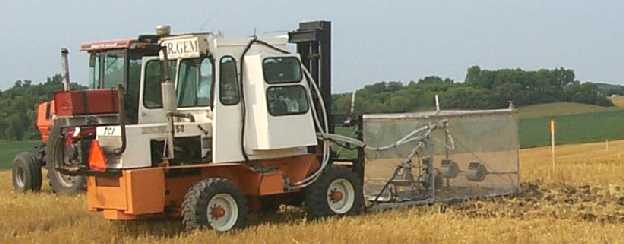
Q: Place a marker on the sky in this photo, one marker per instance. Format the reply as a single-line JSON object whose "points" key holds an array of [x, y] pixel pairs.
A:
{"points": [[372, 40]]}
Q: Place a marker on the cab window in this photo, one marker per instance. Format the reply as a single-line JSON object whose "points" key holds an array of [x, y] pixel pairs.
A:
{"points": [[195, 82], [152, 93], [133, 88], [287, 100], [94, 70], [281, 70], [228, 81], [114, 69]]}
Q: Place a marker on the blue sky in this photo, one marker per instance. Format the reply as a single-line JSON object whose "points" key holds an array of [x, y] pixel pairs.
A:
{"points": [[372, 40]]}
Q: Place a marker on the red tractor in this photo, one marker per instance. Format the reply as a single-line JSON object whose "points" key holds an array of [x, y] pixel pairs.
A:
{"points": [[73, 115]]}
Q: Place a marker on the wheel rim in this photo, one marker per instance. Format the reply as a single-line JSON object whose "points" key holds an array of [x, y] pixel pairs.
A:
{"points": [[65, 180], [222, 212], [19, 177], [340, 196]]}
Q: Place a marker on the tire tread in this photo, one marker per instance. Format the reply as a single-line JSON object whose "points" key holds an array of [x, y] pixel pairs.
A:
{"points": [[315, 194], [194, 207]]}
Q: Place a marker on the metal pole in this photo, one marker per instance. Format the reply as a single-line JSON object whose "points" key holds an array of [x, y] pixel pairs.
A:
{"points": [[65, 67], [353, 102], [437, 103], [552, 146]]}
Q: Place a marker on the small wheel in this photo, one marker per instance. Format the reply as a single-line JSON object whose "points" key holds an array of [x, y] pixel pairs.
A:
{"points": [[214, 203], [26, 173], [338, 191]]}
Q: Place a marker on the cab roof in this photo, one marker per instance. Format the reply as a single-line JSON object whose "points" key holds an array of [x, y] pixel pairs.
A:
{"points": [[106, 45]]}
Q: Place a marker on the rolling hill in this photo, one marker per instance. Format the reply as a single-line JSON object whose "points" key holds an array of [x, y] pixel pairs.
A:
{"points": [[560, 108]]}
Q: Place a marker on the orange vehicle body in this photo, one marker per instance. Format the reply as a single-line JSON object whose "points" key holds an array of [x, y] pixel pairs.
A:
{"points": [[159, 191], [44, 121]]}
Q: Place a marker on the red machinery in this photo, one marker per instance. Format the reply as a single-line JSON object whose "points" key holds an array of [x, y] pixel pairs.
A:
{"points": [[74, 113]]}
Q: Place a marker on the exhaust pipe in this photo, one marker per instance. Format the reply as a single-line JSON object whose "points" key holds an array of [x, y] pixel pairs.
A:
{"points": [[65, 67], [349, 120]]}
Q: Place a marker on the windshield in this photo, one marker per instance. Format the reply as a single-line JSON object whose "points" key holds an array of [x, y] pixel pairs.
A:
{"points": [[114, 64], [195, 82], [107, 69]]}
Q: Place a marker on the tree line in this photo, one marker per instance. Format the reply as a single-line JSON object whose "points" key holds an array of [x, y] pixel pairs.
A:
{"points": [[482, 89], [17, 106]]}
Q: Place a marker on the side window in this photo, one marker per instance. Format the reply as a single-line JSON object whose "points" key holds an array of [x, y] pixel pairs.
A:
{"points": [[152, 93], [281, 70], [114, 65], [187, 84], [287, 100], [94, 70], [228, 81], [206, 76], [133, 88], [195, 82], [134, 69]]}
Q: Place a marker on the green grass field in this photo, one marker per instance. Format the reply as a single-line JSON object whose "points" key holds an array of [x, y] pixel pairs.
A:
{"points": [[560, 108], [576, 123], [8, 150], [576, 128]]}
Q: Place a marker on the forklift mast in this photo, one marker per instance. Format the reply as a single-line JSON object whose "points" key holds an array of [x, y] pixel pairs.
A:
{"points": [[313, 40]]}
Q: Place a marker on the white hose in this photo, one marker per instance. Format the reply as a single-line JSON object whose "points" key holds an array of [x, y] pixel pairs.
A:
{"points": [[323, 129]]}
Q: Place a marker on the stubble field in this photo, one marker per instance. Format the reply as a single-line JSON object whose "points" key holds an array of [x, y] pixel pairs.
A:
{"points": [[581, 202]]}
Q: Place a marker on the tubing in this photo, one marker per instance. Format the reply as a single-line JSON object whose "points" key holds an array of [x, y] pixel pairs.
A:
{"points": [[122, 119], [323, 135], [328, 138]]}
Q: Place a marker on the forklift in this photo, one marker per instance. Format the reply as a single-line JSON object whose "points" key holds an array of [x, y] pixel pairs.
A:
{"points": [[201, 127]]}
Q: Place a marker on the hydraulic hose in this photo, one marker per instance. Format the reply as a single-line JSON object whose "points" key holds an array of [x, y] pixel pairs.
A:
{"points": [[122, 119], [321, 124]]}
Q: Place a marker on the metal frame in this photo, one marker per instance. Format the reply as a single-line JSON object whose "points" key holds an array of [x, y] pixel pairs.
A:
{"points": [[442, 114], [313, 41]]}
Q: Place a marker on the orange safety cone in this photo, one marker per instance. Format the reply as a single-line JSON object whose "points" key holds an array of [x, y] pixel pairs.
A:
{"points": [[97, 158]]}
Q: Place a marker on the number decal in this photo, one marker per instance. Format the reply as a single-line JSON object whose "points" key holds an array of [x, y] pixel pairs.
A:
{"points": [[179, 129], [109, 131]]}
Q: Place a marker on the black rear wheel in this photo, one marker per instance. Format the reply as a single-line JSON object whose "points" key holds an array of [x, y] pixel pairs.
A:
{"points": [[65, 184], [26, 173], [58, 154]]}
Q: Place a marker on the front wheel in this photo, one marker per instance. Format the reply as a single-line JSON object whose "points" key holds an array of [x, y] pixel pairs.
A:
{"points": [[215, 203], [338, 191]]}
